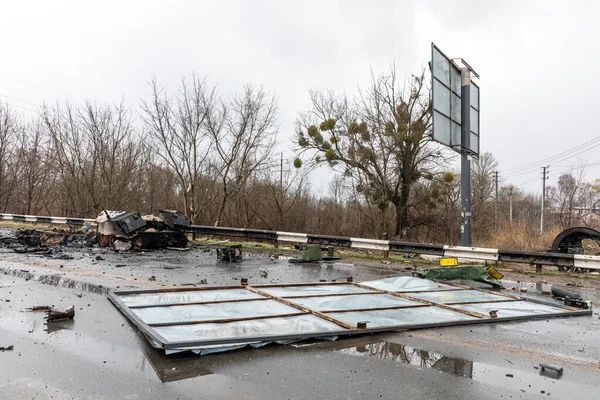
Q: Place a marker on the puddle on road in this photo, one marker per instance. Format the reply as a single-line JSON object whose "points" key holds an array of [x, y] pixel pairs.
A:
{"points": [[409, 355], [55, 280], [489, 374], [63, 334], [56, 326], [175, 367]]}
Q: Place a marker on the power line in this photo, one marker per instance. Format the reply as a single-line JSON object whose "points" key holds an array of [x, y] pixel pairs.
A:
{"points": [[12, 78], [537, 163], [526, 182], [16, 99], [563, 157], [21, 107]]}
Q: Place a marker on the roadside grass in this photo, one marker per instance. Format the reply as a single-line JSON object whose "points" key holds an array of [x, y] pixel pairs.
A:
{"points": [[375, 255], [224, 242], [20, 224], [547, 271], [523, 237]]}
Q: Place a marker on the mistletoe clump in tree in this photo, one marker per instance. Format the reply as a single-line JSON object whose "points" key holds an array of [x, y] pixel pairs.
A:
{"points": [[379, 139]]}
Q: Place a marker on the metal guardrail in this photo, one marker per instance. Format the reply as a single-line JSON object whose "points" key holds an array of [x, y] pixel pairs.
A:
{"points": [[47, 220], [475, 253]]}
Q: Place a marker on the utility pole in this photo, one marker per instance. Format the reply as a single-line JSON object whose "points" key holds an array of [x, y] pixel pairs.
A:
{"points": [[510, 208], [544, 177], [496, 211], [465, 157], [281, 172]]}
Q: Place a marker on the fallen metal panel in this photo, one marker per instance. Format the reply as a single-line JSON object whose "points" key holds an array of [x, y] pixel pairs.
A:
{"points": [[403, 316], [514, 308], [458, 296], [285, 291], [302, 324], [349, 302], [245, 320], [187, 296], [401, 284], [198, 312]]}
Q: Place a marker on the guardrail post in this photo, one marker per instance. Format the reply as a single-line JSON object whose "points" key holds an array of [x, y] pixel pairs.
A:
{"points": [[386, 253]]}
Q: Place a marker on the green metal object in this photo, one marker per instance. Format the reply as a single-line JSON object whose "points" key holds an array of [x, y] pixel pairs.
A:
{"points": [[478, 273], [314, 253]]}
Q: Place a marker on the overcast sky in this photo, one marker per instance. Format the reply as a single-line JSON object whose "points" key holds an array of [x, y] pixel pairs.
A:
{"points": [[538, 60]]}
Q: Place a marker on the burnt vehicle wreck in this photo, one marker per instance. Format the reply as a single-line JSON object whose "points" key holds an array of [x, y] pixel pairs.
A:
{"points": [[123, 230], [119, 230]]}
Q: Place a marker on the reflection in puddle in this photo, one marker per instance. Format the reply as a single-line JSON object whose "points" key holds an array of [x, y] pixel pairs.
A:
{"points": [[175, 367], [505, 377], [409, 355], [56, 326]]}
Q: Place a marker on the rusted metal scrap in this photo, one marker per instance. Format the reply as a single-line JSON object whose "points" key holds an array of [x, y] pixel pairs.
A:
{"points": [[39, 308], [58, 315]]}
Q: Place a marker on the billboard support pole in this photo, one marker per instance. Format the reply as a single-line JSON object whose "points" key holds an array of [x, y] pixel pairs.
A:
{"points": [[465, 157]]}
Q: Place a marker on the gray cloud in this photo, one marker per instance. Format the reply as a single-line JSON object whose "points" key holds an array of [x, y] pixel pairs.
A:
{"points": [[537, 59]]}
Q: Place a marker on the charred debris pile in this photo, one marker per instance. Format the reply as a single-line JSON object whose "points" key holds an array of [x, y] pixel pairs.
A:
{"points": [[118, 230]]}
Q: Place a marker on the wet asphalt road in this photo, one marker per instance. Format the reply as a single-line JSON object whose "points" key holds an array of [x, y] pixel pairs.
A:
{"points": [[99, 355]]}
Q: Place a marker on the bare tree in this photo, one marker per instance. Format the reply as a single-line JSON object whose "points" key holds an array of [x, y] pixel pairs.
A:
{"points": [[35, 175], [243, 129], [274, 201], [176, 125], [381, 139], [8, 131], [96, 152], [482, 188], [565, 196]]}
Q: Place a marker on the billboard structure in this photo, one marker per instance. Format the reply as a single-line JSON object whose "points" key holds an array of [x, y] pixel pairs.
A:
{"points": [[456, 122], [447, 94]]}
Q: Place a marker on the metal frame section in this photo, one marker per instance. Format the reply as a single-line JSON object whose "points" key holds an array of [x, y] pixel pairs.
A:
{"points": [[517, 256], [118, 298]]}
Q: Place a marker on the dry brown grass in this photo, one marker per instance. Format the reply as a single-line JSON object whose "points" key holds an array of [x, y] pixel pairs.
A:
{"points": [[19, 224], [522, 237]]}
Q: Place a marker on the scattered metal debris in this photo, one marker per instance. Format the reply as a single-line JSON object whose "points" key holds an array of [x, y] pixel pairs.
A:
{"points": [[58, 315], [569, 298], [174, 219], [39, 308], [314, 253], [230, 253], [556, 368]]}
